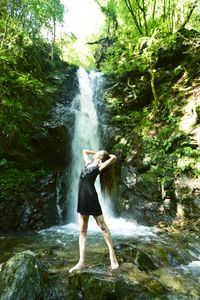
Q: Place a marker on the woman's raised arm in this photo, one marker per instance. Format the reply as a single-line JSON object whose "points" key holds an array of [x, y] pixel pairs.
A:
{"points": [[86, 154], [108, 162]]}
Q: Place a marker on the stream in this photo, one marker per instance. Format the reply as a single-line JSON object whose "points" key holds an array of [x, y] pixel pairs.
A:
{"points": [[174, 259]]}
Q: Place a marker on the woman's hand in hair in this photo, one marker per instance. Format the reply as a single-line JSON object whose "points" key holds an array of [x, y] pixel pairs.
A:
{"points": [[108, 162]]}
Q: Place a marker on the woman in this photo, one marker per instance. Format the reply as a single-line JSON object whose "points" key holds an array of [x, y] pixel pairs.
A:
{"points": [[88, 203]]}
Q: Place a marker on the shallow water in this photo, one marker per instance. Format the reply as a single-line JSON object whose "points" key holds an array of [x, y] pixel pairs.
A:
{"points": [[57, 248], [65, 237]]}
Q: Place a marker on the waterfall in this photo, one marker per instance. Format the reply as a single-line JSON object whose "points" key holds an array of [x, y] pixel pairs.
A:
{"points": [[58, 198], [86, 136]]}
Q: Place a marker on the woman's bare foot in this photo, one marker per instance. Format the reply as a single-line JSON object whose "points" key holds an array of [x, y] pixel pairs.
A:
{"points": [[78, 266], [114, 265], [113, 261]]}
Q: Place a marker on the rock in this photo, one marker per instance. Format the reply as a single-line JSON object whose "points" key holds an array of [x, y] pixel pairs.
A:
{"points": [[128, 282], [36, 206], [93, 284], [53, 147], [131, 254], [179, 282], [139, 198], [135, 284], [187, 190], [197, 202], [128, 176], [22, 277], [189, 118]]}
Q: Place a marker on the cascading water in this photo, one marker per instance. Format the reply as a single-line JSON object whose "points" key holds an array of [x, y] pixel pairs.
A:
{"points": [[86, 135], [58, 206]]}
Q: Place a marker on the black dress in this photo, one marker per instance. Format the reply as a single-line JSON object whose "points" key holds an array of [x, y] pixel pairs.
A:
{"points": [[88, 202]]}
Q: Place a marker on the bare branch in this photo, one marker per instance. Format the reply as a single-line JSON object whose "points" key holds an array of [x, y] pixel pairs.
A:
{"points": [[97, 42]]}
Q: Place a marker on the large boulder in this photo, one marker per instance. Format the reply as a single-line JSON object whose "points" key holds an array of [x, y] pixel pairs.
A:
{"points": [[22, 277]]}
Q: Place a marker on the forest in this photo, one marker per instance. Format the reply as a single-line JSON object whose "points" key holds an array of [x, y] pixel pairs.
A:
{"points": [[142, 72]]}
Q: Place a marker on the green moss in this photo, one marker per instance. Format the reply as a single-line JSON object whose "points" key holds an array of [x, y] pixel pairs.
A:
{"points": [[12, 181]]}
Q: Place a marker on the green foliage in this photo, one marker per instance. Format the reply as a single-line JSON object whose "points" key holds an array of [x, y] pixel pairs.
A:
{"points": [[143, 29], [21, 93], [27, 89], [29, 17], [12, 181], [151, 48]]}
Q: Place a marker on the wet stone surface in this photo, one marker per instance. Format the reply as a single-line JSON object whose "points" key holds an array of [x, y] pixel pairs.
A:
{"points": [[22, 277]]}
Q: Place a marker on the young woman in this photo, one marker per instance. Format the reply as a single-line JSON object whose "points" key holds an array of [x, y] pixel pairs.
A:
{"points": [[88, 202]]}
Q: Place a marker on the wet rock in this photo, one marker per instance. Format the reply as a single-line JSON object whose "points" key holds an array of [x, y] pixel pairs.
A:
{"points": [[187, 190], [128, 282], [131, 254], [197, 202], [22, 277], [135, 284], [179, 282], [53, 147], [128, 176], [152, 256], [36, 207], [93, 284], [139, 198]]}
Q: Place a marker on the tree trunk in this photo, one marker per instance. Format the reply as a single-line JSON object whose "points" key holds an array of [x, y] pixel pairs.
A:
{"points": [[152, 72], [5, 32], [164, 10], [173, 25], [154, 10], [53, 38], [144, 17], [130, 9], [188, 15]]}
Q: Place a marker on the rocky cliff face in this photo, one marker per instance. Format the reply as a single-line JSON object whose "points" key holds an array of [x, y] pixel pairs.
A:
{"points": [[32, 208], [32, 204], [157, 147]]}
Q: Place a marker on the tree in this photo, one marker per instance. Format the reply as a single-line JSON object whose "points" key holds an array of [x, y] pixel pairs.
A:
{"points": [[30, 18], [137, 19]]}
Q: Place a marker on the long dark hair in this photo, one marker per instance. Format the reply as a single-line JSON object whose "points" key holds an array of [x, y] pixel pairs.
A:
{"points": [[107, 175]]}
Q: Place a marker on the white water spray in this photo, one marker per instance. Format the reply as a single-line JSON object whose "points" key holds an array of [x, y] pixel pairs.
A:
{"points": [[86, 136], [58, 206]]}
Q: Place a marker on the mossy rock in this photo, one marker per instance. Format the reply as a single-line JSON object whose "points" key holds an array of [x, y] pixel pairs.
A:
{"points": [[179, 282], [22, 277], [133, 283], [93, 284], [126, 283], [131, 254]]}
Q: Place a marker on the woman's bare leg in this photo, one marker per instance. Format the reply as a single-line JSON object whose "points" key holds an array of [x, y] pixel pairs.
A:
{"points": [[107, 236], [83, 221]]}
